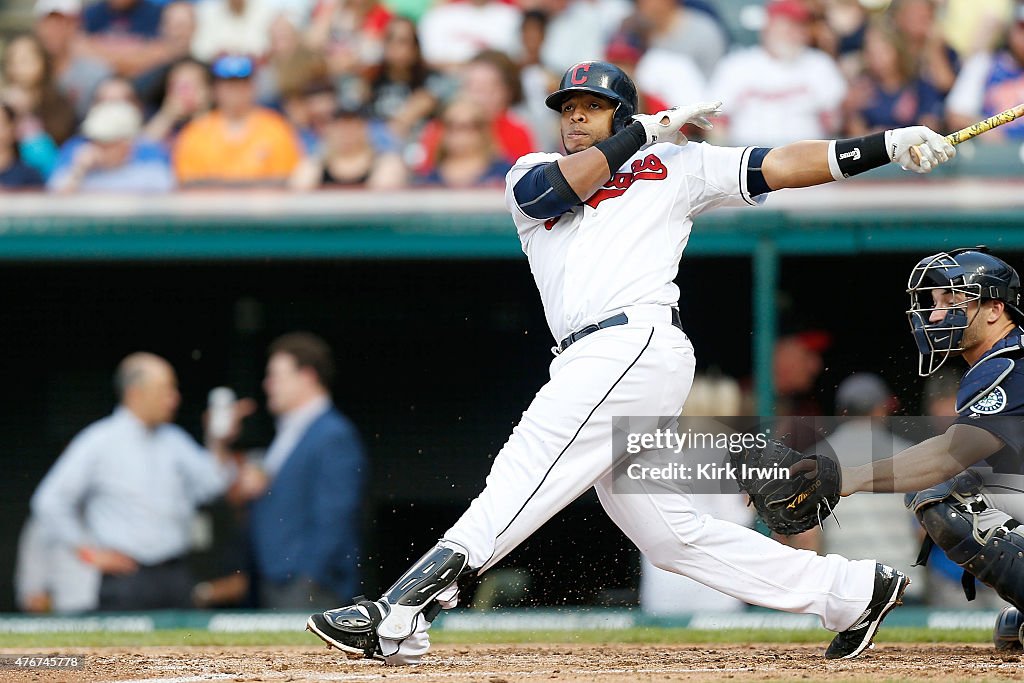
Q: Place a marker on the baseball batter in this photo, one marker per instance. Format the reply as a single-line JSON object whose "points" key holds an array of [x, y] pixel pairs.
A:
{"points": [[604, 227]]}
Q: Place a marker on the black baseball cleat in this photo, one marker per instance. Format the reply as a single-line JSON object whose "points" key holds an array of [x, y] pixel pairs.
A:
{"points": [[890, 585], [349, 629], [1006, 634]]}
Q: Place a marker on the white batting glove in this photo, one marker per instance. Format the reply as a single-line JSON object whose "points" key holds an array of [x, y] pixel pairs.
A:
{"points": [[664, 126], [933, 148]]}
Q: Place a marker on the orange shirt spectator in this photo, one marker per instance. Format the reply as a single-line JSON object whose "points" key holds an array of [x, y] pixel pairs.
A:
{"points": [[238, 142]]}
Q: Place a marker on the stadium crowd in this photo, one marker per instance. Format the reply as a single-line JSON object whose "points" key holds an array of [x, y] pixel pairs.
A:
{"points": [[150, 96]]}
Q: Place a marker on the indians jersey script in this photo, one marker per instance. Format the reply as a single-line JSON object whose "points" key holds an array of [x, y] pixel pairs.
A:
{"points": [[622, 246]]}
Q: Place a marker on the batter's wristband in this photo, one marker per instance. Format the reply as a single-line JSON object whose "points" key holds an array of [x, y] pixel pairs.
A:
{"points": [[852, 156], [620, 147]]}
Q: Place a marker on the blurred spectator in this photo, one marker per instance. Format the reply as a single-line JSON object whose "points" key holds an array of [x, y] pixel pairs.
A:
{"points": [[889, 94], [664, 79], [780, 90], [972, 26], [861, 438], [840, 33], [452, 32], [290, 65], [467, 155], [933, 60], [625, 51], [238, 27], [50, 577], [111, 156], [350, 157], [491, 80], [177, 30], [991, 82], [796, 365], [309, 112], [238, 143], [678, 28], [537, 81], [14, 173], [350, 34], [116, 89], [124, 492], [57, 27], [128, 34], [404, 91], [579, 30], [305, 528], [29, 88], [187, 95], [123, 18]]}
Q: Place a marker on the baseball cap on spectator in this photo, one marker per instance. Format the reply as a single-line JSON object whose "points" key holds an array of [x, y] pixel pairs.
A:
{"points": [[790, 9], [861, 393], [232, 67], [112, 121], [71, 8], [818, 341], [625, 47]]}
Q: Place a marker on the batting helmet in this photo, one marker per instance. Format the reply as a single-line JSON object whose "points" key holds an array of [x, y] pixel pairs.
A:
{"points": [[970, 272], [599, 78]]}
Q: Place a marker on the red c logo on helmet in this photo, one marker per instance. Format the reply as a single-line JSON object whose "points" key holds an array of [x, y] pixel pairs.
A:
{"points": [[578, 79]]}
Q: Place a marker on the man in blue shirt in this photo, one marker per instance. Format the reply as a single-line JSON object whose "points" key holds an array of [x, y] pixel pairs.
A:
{"points": [[111, 156], [139, 18], [124, 492]]}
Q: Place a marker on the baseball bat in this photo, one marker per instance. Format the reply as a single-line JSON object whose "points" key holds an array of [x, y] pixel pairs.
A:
{"points": [[975, 129]]}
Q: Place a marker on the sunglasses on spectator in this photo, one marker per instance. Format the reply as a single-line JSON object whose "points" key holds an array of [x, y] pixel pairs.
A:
{"points": [[233, 67]]}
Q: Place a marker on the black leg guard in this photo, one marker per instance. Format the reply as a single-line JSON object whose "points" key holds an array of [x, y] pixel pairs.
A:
{"points": [[994, 556]]}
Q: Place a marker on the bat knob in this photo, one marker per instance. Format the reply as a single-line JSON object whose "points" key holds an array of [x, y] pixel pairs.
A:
{"points": [[915, 154]]}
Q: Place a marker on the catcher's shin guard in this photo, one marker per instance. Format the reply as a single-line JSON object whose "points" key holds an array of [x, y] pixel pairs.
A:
{"points": [[994, 556]]}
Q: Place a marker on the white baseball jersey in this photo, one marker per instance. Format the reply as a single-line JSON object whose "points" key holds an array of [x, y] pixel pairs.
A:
{"points": [[622, 246]]}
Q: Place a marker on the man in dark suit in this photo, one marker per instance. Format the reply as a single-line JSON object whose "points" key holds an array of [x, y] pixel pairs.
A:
{"points": [[305, 526]]}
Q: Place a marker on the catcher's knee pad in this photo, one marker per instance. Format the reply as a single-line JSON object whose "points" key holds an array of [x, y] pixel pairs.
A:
{"points": [[995, 556], [416, 590]]}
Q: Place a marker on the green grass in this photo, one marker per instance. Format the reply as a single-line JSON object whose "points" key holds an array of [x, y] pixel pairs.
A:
{"points": [[655, 636]]}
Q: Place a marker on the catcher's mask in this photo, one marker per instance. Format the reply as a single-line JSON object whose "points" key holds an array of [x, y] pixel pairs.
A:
{"points": [[599, 78], [969, 274]]}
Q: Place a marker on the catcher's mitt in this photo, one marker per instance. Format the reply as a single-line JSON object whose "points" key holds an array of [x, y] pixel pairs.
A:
{"points": [[788, 505]]}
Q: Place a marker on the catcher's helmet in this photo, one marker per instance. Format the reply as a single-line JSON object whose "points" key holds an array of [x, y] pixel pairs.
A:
{"points": [[971, 272], [599, 78]]}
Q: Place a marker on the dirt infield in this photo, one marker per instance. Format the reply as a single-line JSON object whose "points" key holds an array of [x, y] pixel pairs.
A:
{"points": [[610, 663]]}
